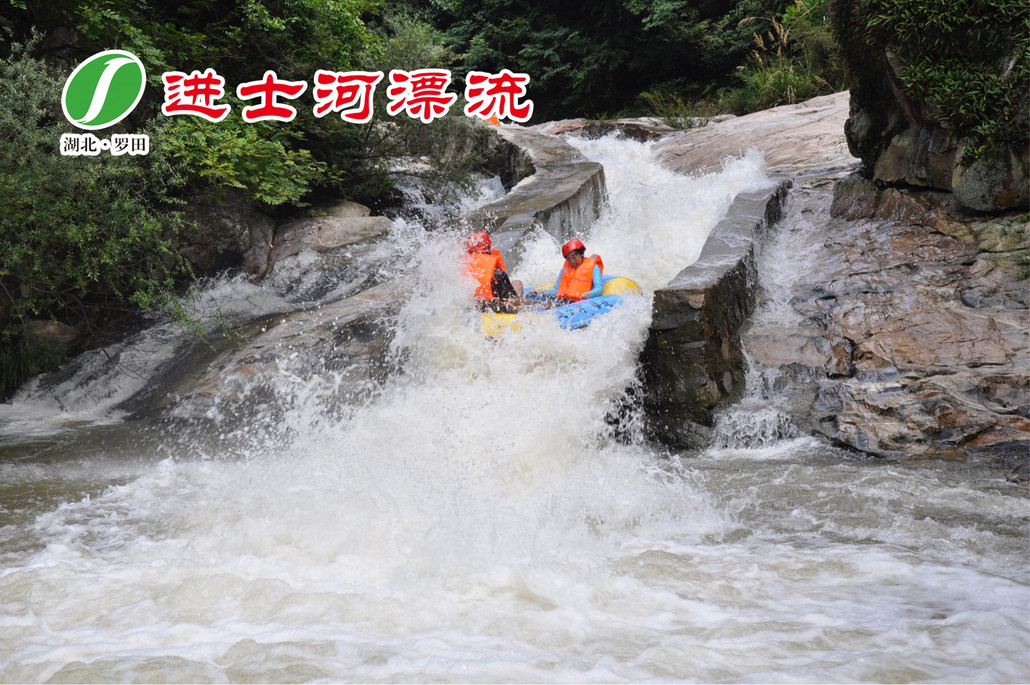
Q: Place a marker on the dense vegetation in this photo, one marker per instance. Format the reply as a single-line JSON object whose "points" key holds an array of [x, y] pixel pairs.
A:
{"points": [[80, 238], [965, 63], [631, 57]]}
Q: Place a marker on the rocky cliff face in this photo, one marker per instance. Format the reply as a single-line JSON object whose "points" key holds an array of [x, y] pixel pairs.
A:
{"points": [[901, 328], [907, 337], [904, 141]]}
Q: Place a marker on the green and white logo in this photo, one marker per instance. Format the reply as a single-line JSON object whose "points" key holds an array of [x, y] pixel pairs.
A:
{"points": [[103, 90]]}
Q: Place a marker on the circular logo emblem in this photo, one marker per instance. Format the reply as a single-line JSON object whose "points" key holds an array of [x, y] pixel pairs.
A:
{"points": [[104, 89]]}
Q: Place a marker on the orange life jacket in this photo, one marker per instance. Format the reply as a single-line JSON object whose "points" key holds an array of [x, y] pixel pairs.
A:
{"points": [[480, 267], [575, 283]]}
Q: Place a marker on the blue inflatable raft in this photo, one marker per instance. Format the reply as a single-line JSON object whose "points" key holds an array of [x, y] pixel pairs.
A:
{"points": [[570, 316]]}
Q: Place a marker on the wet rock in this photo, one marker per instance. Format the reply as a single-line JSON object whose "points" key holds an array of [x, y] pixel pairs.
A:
{"points": [[914, 334], [226, 235], [53, 336], [855, 197], [918, 156], [564, 194], [641, 129], [346, 341], [344, 224]]}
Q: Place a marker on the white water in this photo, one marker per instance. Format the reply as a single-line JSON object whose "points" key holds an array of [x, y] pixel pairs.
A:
{"points": [[478, 521]]}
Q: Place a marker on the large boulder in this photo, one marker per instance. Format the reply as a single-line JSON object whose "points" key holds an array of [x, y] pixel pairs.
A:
{"points": [[52, 337], [227, 234], [807, 136], [996, 181], [339, 225], [904, 123]]}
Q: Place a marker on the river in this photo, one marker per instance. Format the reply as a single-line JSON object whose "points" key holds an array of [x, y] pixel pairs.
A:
{"points": [[492, 513]]}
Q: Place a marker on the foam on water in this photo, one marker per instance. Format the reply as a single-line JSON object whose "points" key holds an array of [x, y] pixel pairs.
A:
{"points": [[480, 520]]}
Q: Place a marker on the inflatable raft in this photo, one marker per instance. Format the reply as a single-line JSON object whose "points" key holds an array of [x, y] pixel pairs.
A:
{"points": [[569, 316]]}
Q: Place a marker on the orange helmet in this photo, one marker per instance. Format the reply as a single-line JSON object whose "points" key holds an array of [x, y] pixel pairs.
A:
{"points": [[572, 246], [479, 242]]}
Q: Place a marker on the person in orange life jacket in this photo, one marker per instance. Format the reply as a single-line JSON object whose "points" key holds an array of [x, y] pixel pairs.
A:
{"points": [[485, 265], [579, 278]]}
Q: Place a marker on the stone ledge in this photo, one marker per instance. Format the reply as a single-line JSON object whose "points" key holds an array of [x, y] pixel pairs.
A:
{"points": [[564, 194], [693, 361]]}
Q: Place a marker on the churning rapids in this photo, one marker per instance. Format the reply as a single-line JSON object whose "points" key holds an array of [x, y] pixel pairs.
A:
{"points": [[478, 519]]}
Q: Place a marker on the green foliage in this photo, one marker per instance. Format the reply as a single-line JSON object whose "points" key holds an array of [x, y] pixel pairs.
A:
{"points": [[980, 93], [795, 58], [665, 57], [676, 112], [81, 238], [407, 42], [240, 39], [584, 59], [455, 144], [232, 154], [773, 81], [21, 361], [275, 163], [790, 55]]}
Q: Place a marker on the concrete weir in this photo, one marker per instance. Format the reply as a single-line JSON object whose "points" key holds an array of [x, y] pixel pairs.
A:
{"points": [[559, 191], [693, 361]]}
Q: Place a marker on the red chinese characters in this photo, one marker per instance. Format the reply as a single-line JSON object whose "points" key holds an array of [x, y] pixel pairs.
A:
{"points": [[337, 90], [268, 91], [421, 93], [497, 95], [194, 94]]}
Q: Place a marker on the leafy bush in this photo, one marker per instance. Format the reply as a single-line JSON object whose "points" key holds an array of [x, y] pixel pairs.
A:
{"points": [[677, 112], [275, 163], [598, 57], [257, 158], [791, 55], [83, 239]]}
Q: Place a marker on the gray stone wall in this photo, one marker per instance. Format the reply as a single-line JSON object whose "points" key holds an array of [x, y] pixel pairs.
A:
{"points": [[564, 194], [692, 362]]}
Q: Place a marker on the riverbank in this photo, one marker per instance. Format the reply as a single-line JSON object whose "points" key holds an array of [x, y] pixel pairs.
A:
{"points": [[908, 327]]}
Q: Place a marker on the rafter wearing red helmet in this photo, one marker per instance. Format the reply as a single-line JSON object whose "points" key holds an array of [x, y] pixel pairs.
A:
{"points": [[485, 265], [580, 276]]}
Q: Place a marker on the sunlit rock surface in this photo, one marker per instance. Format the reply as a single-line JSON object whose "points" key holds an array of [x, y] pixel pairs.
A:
{"points": [[803, 137]]}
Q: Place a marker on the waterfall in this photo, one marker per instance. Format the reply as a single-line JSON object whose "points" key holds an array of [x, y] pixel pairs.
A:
{"points": [[475, 519]]}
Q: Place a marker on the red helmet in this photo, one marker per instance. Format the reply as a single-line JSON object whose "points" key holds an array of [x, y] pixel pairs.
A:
{"points": [[479, 242], [572, 246]]}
